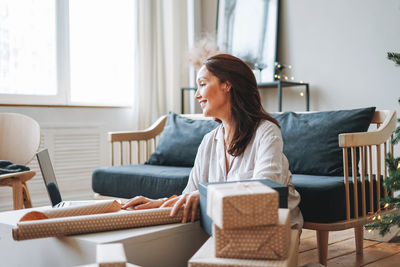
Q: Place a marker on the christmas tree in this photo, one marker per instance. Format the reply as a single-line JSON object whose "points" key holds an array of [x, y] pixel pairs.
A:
{"points": [[394, 57], [392, 183]]}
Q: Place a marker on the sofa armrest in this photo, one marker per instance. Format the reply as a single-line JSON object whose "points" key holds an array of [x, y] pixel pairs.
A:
{"points": [[144, 141], [154, 130], [386, 121], [372, 147]]}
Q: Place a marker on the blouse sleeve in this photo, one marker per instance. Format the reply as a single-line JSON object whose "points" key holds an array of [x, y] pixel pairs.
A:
{"points": [[194, 177], [270, 160]]}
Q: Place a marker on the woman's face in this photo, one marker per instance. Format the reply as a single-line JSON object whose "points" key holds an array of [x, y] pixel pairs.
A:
{"points": [[213, 96]]}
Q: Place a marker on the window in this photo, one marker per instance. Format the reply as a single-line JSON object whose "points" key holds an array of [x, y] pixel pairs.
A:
{"points": [[59, 52]]}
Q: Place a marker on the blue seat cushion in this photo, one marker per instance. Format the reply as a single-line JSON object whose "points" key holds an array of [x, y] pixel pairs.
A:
{"points": [[128, 181], [323, 198]]}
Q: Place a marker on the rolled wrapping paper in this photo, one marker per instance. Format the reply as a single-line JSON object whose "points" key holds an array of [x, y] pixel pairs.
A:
{"points": [[94, 223], [244, 204], [92, 207]]}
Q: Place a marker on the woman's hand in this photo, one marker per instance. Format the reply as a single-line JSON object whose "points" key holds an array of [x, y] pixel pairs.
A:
{"points": [[140, 203], [190, 203]]}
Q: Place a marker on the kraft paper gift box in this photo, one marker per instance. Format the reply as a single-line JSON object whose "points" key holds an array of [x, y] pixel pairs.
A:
{"points": [[206, 221], [205, 256], [245, 204], [261, 242], [111, 255]]}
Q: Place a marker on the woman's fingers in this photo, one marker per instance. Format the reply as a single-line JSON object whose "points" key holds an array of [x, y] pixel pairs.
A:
{"points": [[170, 202], [195, 204], [186, 208], [144, 206], [178, 205], [134, 201]]}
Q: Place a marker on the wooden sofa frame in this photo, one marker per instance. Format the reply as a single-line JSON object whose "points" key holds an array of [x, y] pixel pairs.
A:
{"points": [[372, 145]]}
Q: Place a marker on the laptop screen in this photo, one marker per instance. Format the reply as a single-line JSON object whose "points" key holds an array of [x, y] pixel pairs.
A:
{"points": [[49, 176]]}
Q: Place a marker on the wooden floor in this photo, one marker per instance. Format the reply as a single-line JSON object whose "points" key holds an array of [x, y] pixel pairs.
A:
{"points": [[341, 251]]}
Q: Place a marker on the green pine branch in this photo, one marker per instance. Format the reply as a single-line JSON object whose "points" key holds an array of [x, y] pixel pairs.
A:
{"points": [[394, 57], [384, 223], [392, 202], [392, 183], [396, 137]]}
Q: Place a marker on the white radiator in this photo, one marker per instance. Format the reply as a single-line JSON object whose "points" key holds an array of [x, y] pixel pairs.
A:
{"points": [[75, 151]]}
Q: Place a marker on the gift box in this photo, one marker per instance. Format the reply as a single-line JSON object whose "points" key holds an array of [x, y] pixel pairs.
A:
{"points": [[206, 221], [238, 205], [261, 242], [205, 256]]}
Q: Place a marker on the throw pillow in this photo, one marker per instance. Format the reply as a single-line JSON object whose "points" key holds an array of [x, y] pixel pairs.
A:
{"points": [[311, 141], [180, 140]]}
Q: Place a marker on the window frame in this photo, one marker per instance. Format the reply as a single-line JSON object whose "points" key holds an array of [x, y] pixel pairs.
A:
{"points": [[63, 96]]}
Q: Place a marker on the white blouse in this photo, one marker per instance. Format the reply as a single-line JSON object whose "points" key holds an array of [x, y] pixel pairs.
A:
{"points": [[263, 158]]}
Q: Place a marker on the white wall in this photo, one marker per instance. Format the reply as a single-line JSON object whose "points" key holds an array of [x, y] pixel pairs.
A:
{"points": [[112, 119], [339, 47]]}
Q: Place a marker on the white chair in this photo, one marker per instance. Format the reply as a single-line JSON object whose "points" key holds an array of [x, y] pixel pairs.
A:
{"points": [[19, 141]]}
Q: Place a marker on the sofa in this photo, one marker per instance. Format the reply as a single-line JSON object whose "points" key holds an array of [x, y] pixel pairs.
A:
{"points": [[336, 158]]}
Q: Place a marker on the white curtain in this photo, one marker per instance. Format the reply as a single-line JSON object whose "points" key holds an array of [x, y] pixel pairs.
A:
{"points": [[162, 67]]}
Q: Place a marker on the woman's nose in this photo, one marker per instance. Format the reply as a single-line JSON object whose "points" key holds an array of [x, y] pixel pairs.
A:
{"points": [[197, 94]]}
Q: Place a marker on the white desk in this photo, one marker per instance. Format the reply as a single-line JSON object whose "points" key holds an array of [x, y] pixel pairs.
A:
{"points": [[162, 245]]}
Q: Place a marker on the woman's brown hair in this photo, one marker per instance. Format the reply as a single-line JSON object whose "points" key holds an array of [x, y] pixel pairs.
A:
{"points": [[246, 108]]}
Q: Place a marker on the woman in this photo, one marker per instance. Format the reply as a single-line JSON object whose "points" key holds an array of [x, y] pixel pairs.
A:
{"points": [[247, 145]]}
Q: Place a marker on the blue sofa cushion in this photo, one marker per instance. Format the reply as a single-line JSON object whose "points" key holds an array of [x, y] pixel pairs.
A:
{"points": [[180, 140], [311, 141], [128, 181], [323, 198]]}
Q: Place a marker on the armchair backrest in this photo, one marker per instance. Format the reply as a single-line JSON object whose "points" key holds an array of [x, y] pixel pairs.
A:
{"points": [[19, 138]]}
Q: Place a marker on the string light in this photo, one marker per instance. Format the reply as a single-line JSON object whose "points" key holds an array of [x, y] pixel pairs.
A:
{"points": [[280, 71], [369, 230], [386, 205], [398, 165]]}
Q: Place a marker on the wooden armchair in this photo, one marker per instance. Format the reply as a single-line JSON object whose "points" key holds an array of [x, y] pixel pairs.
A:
{"points": [[19, 141], [373, 147]]}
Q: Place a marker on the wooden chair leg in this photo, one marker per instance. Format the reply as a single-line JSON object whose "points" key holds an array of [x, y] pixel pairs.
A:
{"points": [[359, 237], [322, 244], [17, 194], [26, 196]]}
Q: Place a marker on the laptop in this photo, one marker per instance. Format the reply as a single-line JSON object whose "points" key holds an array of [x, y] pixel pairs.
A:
{"points": [[50, 181]]}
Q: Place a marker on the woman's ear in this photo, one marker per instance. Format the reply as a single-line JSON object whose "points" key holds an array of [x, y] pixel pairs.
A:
{"points": [[227, 86]]}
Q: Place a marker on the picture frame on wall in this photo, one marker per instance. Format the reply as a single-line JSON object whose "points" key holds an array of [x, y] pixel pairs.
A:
{"points": [[248, 29]]}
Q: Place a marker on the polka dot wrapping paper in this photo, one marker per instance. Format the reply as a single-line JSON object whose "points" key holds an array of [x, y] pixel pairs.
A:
{"points": [[260, 242], [245, 204], [122, 219]]}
